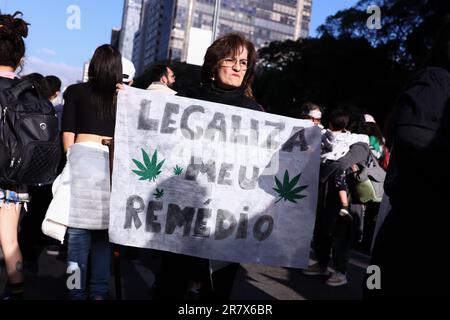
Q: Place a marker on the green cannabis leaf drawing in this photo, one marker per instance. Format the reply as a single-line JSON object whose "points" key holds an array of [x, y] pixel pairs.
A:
{"points": [[159, 193], [177, 170], [287, 190], [149, 170]]}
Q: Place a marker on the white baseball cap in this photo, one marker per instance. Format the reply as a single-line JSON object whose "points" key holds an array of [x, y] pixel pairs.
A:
{"points": [[369, 118], [316, 114], [128, 70]]}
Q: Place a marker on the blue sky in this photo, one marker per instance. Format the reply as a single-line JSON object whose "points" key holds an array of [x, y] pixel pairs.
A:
{"points": [[321, 9], [52, 48]]}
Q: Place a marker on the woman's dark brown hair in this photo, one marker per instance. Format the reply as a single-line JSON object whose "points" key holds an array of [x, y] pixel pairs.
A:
{"points": [[12, 31], [229, 45]]}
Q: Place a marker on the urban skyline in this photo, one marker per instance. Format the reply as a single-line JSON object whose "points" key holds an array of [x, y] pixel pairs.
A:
{"points": [[52, 48], [171, 29]]}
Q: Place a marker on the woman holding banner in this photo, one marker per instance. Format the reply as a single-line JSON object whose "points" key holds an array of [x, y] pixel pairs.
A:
{"points": [[88, 118], [227, 75]]}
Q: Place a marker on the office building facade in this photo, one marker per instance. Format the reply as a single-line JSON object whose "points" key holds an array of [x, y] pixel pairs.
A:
{"points": [[131, 21], [152, 39], [167, 25]]}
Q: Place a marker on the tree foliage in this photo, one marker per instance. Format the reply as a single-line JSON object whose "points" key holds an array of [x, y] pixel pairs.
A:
{"points": [[349, 63], [330, 72], [407, 26]]}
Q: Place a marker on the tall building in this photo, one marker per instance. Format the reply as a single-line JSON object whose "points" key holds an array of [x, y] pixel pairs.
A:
{"points": [[151, 41], [131, 20], [261, 21], [115, 35], [85, 77]]}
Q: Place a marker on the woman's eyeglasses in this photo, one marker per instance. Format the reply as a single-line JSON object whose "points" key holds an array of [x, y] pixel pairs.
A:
{"points": [[231, 62]]}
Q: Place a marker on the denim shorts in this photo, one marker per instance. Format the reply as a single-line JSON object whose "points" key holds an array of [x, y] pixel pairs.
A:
{"points": [[17, 196]]}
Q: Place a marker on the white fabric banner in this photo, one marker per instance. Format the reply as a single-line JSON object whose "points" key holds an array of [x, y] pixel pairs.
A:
{"points": [[213, 181]]}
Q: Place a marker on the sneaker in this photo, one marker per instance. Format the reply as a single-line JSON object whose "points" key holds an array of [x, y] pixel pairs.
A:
{"points": [[337, 279], [316, 270], [345, 214]]}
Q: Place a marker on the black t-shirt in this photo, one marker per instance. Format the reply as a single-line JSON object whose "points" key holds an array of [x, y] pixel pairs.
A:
{"points": [[79, 116]]}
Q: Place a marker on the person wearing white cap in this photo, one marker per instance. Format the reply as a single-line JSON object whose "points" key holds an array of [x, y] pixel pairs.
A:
{"points": [[376, 138], [380, 151], [128, 71], [369, 118], [313, 112]]}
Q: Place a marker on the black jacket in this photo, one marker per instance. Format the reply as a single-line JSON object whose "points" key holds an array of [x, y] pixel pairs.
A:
{"points": [[420, 159], [358, 154], [5, 83], [417, 183], [210, 92]]}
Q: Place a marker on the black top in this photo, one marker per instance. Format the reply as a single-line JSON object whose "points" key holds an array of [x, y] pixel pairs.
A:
{"points": [[210, 92], [79, 116], [5, 83]]}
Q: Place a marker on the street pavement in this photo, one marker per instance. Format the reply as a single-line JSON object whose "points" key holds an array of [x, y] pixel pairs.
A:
{"points": [[47, 281]]}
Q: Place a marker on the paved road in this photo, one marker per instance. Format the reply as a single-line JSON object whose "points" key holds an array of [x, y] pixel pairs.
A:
{"points": [[252, 281]]}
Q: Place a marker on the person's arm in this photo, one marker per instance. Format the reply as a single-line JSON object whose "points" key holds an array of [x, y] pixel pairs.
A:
{"points": [[68, 140], [358, 153], [69, 124]]}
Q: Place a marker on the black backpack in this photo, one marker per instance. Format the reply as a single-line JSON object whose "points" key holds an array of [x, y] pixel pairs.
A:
{"points": [[29, 138]]}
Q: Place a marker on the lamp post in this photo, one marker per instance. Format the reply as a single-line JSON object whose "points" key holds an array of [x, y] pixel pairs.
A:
{"points": [[215, 19]]}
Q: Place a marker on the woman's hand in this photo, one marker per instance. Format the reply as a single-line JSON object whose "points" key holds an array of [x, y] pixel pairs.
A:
{"points": [[120, 87]]}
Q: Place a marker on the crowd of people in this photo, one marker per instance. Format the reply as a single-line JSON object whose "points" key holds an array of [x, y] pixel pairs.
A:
{"points": [[340, 218], [351, 142]]}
